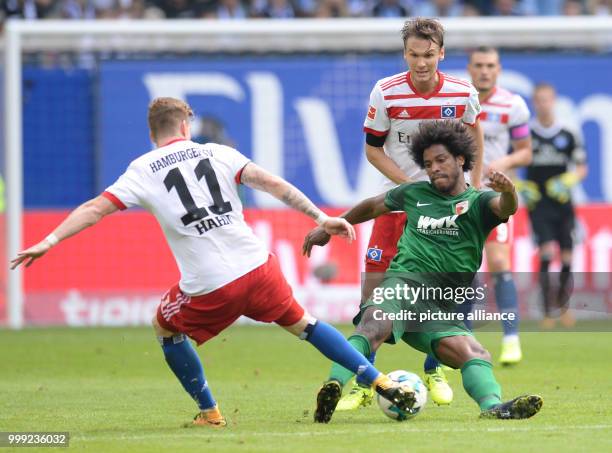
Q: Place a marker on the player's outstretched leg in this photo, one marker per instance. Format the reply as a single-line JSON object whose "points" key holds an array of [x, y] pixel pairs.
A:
{"points": [[335, 347], [185, 363], [463, 351]]}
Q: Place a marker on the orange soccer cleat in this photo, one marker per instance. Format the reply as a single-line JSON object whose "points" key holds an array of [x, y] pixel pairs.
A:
{"points": [[210, 417]]}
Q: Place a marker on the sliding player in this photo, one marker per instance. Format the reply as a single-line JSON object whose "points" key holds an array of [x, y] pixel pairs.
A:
{"points": [[440, 248], [226, 272]]}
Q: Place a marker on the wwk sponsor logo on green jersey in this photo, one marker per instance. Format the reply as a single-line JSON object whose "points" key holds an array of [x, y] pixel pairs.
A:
{"points": [[446, 225]]}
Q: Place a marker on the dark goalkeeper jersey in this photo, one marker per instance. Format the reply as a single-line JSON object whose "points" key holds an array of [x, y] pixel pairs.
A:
{"points": [[444, 235]]}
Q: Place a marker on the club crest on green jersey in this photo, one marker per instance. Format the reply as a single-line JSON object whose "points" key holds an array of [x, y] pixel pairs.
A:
{"points": [[462, 207]]}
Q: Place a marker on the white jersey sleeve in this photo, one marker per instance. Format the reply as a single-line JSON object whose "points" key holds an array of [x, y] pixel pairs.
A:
{"points": [[377, 120], [128, 189], [236, 160], [519, 114], [472, 108]]}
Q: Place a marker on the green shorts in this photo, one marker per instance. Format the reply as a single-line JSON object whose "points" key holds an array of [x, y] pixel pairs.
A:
{"points": [[419, 330]]}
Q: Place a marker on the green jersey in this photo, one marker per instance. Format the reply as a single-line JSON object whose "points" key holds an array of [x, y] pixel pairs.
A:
{"points": [[444, 235]]}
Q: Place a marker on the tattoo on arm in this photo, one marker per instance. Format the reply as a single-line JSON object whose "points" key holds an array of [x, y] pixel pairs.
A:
{"points": [[297, 200], [257, 178]]}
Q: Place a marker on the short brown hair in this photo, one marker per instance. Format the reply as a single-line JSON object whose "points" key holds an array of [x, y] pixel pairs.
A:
{"points": [[484, 49], [544, 86], [165, 115], [424, 28]]}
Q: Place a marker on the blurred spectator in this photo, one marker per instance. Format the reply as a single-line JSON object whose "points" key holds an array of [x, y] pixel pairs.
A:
{"points": [[231, 9], [306, 8], [599, 7], [176, 9], [29, 9], [506, 8], [77, 9], [332, 8], [543, 7], [389, 8], [470, 11], [439, 8], [275, 9], [573, 8], [484, 7]]}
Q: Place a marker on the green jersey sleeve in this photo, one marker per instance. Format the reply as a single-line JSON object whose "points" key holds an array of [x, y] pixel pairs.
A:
{"points": [[489, 218], [394, 199]]}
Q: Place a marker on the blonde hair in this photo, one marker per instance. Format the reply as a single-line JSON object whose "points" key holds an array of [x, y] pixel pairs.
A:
{"points": [[166, 114]]}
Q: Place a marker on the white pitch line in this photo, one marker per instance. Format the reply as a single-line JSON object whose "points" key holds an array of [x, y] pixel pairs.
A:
{"points": [[225, 434]]}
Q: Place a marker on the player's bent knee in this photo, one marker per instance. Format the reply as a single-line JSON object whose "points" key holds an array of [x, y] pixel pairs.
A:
{"points": [[476, 351], [457, 350]]}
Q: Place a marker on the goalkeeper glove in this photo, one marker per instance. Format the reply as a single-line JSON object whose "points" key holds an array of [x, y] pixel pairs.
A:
{"points": [[558, 187], [529, 192]]}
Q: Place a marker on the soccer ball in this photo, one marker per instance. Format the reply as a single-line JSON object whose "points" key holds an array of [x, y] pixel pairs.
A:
{"points": [[420, 392]]}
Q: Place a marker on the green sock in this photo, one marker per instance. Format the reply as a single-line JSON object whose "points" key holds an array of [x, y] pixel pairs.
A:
{"points": [[341, 374], [480, 384]]}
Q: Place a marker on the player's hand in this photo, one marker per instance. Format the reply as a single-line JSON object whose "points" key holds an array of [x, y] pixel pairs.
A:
{"points": [[529, 191], [28, 256], [337, 226], [317, 236], [500, 182]]}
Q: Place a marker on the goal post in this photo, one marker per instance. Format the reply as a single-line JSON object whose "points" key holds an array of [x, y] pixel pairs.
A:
{"points": [[248, 37]]}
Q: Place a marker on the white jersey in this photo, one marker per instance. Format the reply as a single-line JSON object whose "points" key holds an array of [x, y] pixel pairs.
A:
{"points": [[505, 118], [192, 190], [397, 108]]}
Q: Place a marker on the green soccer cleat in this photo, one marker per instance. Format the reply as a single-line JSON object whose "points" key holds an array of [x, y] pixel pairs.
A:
{"points": [[525, 406], [437, 384], [327, 400], [511, 353], [358, 397]]}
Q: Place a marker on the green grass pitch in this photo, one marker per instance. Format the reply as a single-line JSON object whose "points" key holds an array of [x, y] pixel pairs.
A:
{"points": [[111, 389]]}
